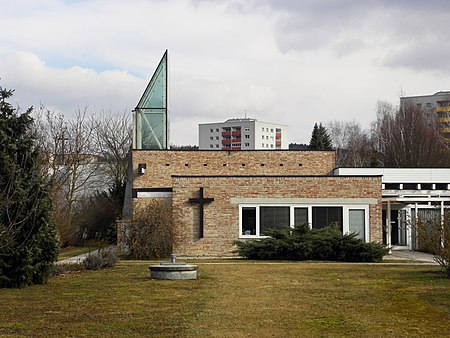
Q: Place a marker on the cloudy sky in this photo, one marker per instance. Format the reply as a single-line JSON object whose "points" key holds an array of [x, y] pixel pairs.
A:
{"points": [[293, 62]]}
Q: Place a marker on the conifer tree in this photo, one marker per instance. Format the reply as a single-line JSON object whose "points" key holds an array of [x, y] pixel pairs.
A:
{"points": [[320, 139], [28, 247]]}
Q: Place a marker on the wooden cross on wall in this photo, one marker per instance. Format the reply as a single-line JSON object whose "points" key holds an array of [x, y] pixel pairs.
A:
{"points": [[201, 201]]}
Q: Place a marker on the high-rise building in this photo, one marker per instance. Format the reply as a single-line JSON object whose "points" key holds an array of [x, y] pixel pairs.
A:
{"points": [[437, 104], [242, 134]]}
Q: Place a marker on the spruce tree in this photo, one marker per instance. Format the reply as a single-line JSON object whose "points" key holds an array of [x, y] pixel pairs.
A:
{"points": [[314, 142], [320, 139], [326, 143], [28, 245]]}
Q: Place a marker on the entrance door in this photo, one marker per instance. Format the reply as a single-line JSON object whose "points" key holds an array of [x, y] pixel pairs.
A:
{"points": [[398, 228]]}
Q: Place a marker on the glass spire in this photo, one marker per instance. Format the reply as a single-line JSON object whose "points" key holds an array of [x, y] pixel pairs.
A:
{"points": [[151, 114]]}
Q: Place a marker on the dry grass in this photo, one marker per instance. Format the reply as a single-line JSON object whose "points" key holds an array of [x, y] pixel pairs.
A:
{"points": [[235, 300]]}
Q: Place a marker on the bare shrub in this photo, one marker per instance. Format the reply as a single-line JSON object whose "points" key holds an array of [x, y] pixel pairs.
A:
{"points": [[434, 237], [150, 233], [100, 259]]}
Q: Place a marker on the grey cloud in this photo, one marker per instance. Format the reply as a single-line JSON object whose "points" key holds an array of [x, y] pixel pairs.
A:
{"points": [[420, 56]]}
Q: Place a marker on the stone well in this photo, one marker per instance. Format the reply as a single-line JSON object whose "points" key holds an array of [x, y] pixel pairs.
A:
{"points": [[173, 270]]}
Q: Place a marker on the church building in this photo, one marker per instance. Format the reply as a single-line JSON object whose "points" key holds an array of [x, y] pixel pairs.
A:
{"points": [[221, 196]]}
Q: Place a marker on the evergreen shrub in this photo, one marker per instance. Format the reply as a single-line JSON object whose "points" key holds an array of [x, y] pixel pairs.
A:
{"points": [[28, 245], [302, 243]]}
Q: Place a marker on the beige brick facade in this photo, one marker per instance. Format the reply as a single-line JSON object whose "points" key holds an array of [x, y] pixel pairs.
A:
{"points": [[221, 217], [270, 177], [162, 164]]}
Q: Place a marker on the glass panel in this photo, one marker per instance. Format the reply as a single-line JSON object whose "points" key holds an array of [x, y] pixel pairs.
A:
{"points": [[326, 216], [249, 221], [273, 218], [151, 112], [153, 128], [402, 228], [357, 222], [300, 216]]}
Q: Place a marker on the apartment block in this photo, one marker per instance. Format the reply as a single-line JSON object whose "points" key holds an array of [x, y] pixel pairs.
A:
{"points": [[437, 104], [243, 134]]}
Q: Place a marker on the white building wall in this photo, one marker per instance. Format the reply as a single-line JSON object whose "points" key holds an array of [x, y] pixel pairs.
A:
{"points": [[401, 175], [255, 135]]}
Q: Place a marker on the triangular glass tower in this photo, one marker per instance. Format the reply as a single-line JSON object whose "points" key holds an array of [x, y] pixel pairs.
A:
{"points": [[151, 114]]}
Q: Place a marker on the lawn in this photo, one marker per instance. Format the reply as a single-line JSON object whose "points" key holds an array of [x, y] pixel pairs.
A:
{"points": [[235, 300]]}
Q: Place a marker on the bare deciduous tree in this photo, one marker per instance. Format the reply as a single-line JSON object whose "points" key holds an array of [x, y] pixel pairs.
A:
{"points": [[353, 145], [85, 154], [405, 138], [114, 143]]}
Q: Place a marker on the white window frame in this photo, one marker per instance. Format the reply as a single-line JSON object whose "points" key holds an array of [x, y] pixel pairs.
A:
{"points": [[345, 216]]}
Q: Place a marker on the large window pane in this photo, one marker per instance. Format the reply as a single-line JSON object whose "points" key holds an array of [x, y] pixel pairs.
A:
{"points": [[326, 216], [300, 216], [249, 221], [273, 218], [357, 222]]}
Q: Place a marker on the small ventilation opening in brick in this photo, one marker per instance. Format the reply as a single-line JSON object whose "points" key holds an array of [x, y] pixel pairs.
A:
{"points": [[262, 164], [224, 164], [205, 164], [243, 164], [300, 164], [186, 165], [281, 164], [167, 164]]}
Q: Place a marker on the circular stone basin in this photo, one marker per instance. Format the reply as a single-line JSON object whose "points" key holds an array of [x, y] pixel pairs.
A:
{"points": [[173, 271]]}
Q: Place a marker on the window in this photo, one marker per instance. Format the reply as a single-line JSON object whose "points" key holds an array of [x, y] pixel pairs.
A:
{"points": [[391, 186], [262, 145], [410, 186], [211, 138], [246, 136], [247, 144], [426, 186], [263, 129], [271, 130], [300, 216], [248, 221], [419, 105], [211, 146], [273, 218], [267, 129], [211, 130], [428, 105], [217, 130], [263, 137], [326, 216], [217, 146], [247, 129], [267, 137], [357, 222], [441, 186], [271, 146], [217, 137], [256, 219]]}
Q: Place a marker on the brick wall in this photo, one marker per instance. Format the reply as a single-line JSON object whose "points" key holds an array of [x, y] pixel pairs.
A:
{"points": [[221, 217], [161, 164]]}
